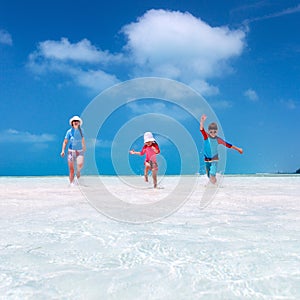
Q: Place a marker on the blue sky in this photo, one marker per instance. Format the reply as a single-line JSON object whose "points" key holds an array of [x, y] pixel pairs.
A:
{"points": [[242, 57]]}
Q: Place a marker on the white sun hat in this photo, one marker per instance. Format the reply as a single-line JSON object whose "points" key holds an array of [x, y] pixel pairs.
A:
{"points": [[148, 137], [75, 118]]}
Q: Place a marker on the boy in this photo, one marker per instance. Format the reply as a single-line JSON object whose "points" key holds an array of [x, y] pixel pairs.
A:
{"points": [[211, 142]]}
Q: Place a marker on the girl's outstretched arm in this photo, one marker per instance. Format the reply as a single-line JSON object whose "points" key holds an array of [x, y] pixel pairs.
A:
{"points": [[134, 152]]}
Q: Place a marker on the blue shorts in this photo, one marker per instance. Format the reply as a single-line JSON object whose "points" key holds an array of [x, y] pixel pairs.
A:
{"points": [[211, 168]]}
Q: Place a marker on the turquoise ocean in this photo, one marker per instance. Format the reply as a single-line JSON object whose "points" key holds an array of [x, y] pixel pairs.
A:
{"points": [[242, 242]]}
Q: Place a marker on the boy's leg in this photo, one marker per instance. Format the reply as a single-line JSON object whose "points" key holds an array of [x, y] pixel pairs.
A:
{"points": [[207, 168], [213, 179], [213, 172]]}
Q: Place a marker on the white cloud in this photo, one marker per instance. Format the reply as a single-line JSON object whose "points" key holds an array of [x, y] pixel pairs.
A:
{"points": [[204, 88], [287, 11], [162, 43], [158, 108], [24, 137], [96, 80], [221, 104], [147, 108], [66, 58], [99, 143], [289, 104], [103, 144], [5, 38], [180, 46], [83, 51], [251, 95]]}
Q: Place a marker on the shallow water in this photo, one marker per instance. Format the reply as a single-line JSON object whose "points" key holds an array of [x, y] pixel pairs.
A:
{"points": [[243, 245]]}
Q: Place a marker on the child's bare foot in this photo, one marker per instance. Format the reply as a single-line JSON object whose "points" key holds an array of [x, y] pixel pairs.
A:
{"points": [[213, 179]]}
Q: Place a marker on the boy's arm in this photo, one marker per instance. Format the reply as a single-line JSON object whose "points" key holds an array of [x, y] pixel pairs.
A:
{"points": [[202, 130], [202, 120], [240, 150], [228, 145]]}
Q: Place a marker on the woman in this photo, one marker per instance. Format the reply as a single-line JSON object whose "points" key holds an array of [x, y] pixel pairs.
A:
{"points": [[76, 147]]}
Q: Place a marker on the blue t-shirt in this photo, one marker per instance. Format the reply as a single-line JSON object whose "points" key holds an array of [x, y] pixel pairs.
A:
{"points": [[75, 138]]}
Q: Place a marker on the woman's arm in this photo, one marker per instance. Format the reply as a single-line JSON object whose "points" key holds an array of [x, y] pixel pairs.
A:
{"points": [[83, 144], [65, 142]]}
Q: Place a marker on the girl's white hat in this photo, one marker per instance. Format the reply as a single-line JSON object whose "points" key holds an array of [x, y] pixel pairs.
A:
{"points": [[148, 137], [75, 118]]}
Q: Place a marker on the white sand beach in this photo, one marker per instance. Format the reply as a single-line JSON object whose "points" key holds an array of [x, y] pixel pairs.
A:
{"points": [[243, 245]]}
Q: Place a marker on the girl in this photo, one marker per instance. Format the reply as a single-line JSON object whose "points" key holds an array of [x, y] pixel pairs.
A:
{"points": [[150, 148]]}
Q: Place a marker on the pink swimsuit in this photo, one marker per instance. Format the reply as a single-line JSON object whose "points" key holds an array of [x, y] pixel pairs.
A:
{"points": [[150, 154]]}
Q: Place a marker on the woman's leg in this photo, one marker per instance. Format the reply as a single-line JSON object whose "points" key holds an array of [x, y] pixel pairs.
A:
{"points": [[79, 161], [71, 171]]}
